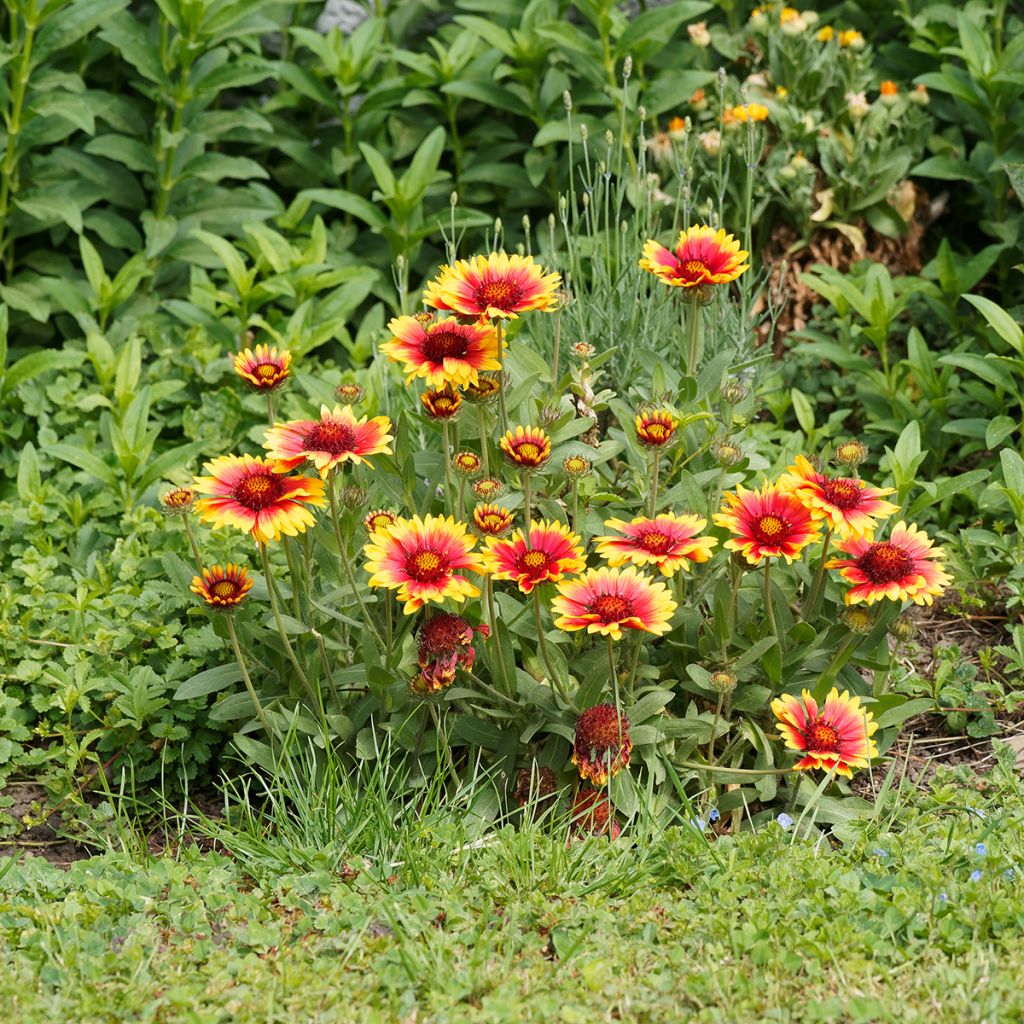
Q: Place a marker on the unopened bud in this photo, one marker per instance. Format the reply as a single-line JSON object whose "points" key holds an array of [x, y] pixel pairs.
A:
{"points": [[851, 453], [454, 199], [567, 100], [575, 466], [726, 453], [583, 132], [903, 630], [609, 137], [627, 67], [353, 497], [722, 681], [349, 393], [734, 391], [858, 620]]}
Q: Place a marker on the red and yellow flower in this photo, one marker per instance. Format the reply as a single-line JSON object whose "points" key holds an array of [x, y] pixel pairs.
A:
{"points": [[602, 744], [335, 438], [445, 645], [494, 286], [223, 587], [847, 505], [264, 368], [422, 559], [441, 404], [488, 488], [838, 737], [554, 551], [467, 463], [443, 351], [252, 495], [906, 567], [769, 523], [702, 256], [667, 541], [178, 502], [607, 601], [492, 520], [485, 389], [655, 428], [379, 519], [526, 447]]}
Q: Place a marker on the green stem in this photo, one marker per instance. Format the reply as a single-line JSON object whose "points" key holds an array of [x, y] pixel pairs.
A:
{"points": [[270, 409], [714, 730], [834, 666], [722, 769], [318, 636], [449, 485], [769, 608], [482, 413], [192, 543], [655, 466], [613, 674], [492, 692], [527, 511], [819, 581], [558, 339], [575, 507], [260, 714], [462, 499], [343, 554], [293, 572], [275, 607], [694, 339], [502, 411], [552, 674], [9, 168], [634, 666], [443, 740], [493, 623]]}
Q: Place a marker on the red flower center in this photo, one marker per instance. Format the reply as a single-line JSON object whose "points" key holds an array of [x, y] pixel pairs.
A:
{"points": [[611, 608], [501, 294], [331, 436], [426, 566], [654, 541], [769, 528], [468, 463], [444, 343], [821, 737], [258, 491], [844, 494], [695, 269], [885, 562], [444, 633], [532, 561], [224, 589]]}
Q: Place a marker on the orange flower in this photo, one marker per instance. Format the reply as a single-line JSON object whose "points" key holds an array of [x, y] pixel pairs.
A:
{"points": [[655, 429], [492, 520], [252, 495], [445, 645], [668, 541], [602, 744], [422, 559], [676, 128], [528, 447], [442, 352], [906, 567], [263, 368], [606, 601], [443, 404], [379, 519], [702, 256], [554, 551], [769, 523], [223, 587], [493, 286], [839, 737], [889, 88], [335, 438], [848, 505]]}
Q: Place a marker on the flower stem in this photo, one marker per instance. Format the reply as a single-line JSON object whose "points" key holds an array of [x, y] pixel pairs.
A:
{"points": [[694, 332], [276, 608], [552, 674], [714, 730], [502, 411], [343, 554], [611, 664], [462, 499], [769, 608], [193, 545], [270, 409], [491, 691], [527, 511], [293, 573], [260, 713], [655, 466], [634, 666], [482, 413], [449, 486], [836, 664], [575, 507], [558, 339], [489, 594], [818, 586]]}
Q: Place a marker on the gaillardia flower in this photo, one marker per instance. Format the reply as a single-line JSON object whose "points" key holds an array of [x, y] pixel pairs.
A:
{"points": [[441, 404], [484, 390], [335, 438], [592, 814], [668, 541], [847, 505], [493, 286], [838, 737], [526, 447], [264, 368], [554, 551], [701, 256], [655, 428], [445, 645], [488, 488], [442, 352], [223, 587], [575, 466], [607, 601], [602, 744], [906, 567], [379, 519], [769, 523], [492, 520], [349, 393], [252, 495], [422, 560], [467, 463], [178, 502]]}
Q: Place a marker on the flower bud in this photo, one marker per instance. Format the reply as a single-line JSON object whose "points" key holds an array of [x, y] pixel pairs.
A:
{"points": [[349, 393], [919, 95], [850, 453], [353, 497], [627, 67], [722, 682], [858, 620], [903, 630], [734, 391], [567, 100], [575, 466], [178, 502], [726, 453]]}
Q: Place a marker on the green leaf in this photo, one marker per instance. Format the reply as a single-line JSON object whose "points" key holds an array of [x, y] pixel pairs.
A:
{"points": [[37, 363], [94, 271], [84, 460], [51, 207], [210, 681], [1000, 321]]}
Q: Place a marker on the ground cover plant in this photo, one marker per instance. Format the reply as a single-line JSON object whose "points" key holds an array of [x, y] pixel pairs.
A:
{"points": [[570, 426]]}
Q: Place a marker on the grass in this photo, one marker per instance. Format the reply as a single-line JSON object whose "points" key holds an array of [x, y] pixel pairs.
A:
{"points": [[889, 925]]}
